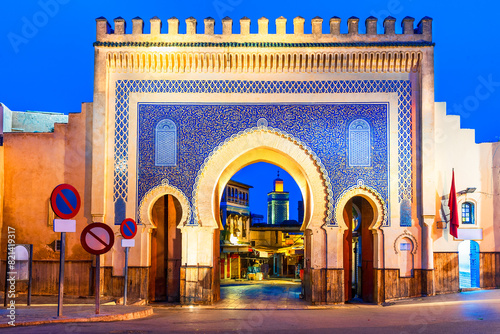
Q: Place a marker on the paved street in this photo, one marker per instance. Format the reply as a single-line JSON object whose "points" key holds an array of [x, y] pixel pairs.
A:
{"points": [[470, 312], [268, 294]]}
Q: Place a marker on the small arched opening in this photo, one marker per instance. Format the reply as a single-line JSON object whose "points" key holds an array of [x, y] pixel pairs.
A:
{"points": [[166, 250], [358, 250], [468, 264]]}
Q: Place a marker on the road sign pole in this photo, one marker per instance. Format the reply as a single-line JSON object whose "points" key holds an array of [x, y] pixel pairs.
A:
{"points": [[30, 270], [125, 285], [61, 275], [93, 238], [65, 202], [97, 283]]}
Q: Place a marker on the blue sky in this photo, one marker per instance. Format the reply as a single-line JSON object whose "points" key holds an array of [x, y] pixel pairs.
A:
{"points": [[46, 57], [47, 54], [267, 173]]}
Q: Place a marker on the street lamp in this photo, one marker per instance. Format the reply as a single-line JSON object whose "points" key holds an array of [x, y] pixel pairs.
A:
{"points": [[469, 190]]}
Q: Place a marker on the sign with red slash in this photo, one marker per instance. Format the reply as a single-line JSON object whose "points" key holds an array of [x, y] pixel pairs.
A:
{"points": [[97, 238]]}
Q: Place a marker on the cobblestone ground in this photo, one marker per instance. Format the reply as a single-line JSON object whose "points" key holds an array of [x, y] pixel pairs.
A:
{"points": [[269, 294]]}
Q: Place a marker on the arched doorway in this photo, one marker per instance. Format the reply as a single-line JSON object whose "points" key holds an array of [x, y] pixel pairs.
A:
{"points": [[164, 206], [263, 249], [280, 149], [468, 264], [358, 250], [261, 243], [166, 250]]}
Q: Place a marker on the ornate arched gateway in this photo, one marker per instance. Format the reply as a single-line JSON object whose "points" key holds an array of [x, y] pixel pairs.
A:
{"points": [[272, 146], [179, 114]]}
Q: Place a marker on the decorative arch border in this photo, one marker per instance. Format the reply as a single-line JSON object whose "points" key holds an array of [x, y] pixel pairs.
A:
{"points": [[123, 89], [263, 128], [406, 234], [146, 206], [367, 192]]}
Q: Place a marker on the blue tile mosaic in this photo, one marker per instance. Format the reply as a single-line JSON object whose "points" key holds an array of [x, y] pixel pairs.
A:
{"points": [[125, 87], [166, 143], [359, 143], [322, 127]]}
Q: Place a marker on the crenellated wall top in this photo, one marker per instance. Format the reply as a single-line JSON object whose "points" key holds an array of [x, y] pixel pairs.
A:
{"points": [[411, 36]]}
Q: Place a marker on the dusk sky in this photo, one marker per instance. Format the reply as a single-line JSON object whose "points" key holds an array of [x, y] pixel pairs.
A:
{"points": [[267, 173], [47, 53]]}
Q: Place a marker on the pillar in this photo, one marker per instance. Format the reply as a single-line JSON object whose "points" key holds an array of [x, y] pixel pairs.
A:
{"points": [[198, 274], [428, 286]]}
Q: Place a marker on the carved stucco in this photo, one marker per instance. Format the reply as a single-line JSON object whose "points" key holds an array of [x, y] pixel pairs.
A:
{"points": [[408, 235], [276, 147], [368, 193], [146, 206]]}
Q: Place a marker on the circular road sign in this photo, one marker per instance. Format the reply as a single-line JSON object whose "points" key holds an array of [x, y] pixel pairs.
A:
{"points": [[97, 238], [128, 228], [65, 201]]}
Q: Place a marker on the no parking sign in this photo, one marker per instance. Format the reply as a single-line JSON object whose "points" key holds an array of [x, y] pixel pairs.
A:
{"points": [[65, 201], [128, 228]]}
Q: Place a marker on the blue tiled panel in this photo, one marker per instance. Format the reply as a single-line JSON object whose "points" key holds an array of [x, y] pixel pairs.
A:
{"points": [[166, 143], [125, 87], [359, 144], [405, 213], [120, 211], [323, 127]]}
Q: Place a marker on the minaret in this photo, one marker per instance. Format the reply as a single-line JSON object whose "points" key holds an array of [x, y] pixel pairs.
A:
{"points": [[277, 203]]}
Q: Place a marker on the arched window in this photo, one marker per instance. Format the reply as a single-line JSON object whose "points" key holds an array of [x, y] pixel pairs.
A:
{"points": [[359, 144], [468, 213], [166, 144]]}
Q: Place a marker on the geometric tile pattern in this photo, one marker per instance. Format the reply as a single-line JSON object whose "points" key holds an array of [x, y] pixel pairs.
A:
{"points": [[121, 146], [263, 126], [165, 148], [203, 128], [166, 143], [405, 213], [404, 154], [405, 142], [359, 143], [125, 87]]}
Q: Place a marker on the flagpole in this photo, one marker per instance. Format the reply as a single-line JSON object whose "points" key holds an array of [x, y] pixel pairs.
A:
{"points": [[452, 204]]}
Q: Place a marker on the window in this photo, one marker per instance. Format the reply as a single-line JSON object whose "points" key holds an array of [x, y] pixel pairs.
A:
{"points": [[405, 246], [468, 213], [359, 144], [166, 144]]}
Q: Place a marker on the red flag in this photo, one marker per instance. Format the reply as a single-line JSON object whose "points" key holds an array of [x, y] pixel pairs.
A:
{"points": [[452, 204]]}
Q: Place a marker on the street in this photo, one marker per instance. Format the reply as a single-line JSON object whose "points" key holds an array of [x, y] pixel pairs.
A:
{"points": [[470, 312]]}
